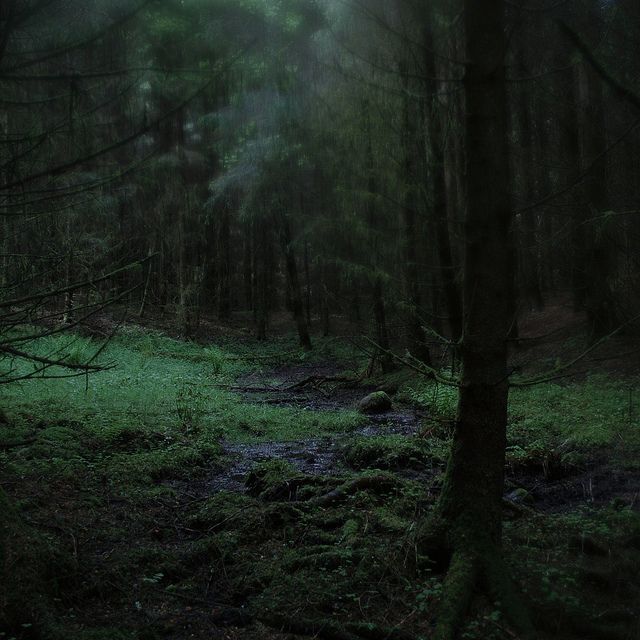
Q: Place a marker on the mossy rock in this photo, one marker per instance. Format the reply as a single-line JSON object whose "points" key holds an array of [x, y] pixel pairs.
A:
{"points": [[377, 402]]}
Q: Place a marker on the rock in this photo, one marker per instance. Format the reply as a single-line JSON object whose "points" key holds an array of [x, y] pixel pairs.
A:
{"points": [[521, 496], [377, 402]]}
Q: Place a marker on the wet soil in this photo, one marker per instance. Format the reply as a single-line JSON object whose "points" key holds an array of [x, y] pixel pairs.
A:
{"points": [[314, 455], [599, 483], [321, 387]]}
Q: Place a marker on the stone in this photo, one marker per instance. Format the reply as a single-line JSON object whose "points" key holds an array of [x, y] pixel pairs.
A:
{"points": [[377, 402]]}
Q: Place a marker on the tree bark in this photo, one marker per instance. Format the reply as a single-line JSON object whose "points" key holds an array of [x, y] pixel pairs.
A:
{"points": [[382, 336], [469, 512], [529, 269], [434, 146], [224, 264], [293, 284], [416, 338], [598, 265]]}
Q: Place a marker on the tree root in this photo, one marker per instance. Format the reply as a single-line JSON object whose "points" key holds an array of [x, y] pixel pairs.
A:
{"points": [[457, 591], [474, 565], [381, 483]]}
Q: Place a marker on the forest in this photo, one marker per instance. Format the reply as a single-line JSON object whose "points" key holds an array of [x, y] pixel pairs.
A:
{"points": [[319, 319]]}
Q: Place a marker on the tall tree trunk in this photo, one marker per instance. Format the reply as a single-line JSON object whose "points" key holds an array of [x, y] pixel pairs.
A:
{"points": [[224, 264], [470, 505], [247, 268], [474, 481], [261, 293], [325, 315], [382, 336], [374, 224], [307, 284], [293, 283], [599, 299], [416, 338], [434, 147], [571, 146], [529, 269]]}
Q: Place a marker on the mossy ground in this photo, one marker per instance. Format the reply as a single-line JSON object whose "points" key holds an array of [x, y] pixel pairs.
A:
{"points": [[115, 534]]}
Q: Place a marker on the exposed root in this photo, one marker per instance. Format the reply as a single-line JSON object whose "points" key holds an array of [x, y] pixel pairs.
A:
{"points": [[381, 483], [457, 591], [472, 567], [501, 589]]}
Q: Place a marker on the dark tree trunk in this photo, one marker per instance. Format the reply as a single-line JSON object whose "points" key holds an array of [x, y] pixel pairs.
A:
{"points": [[598, 265], [224, 263], [247, 270], [470, 506], [293, 284], [528, 263], [570, 134], [262, 266], [307, 284], [474, 480], [382, 337], [416, 338], [434, 147], [374, 224]]}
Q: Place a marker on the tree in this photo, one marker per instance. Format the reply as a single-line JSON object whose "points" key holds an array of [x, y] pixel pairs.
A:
{"points": [[468, 518]]}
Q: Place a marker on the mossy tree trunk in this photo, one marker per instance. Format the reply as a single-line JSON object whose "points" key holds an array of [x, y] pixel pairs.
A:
{"points": [[469, 513]]}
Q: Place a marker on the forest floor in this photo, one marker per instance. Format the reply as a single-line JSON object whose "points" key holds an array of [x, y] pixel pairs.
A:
{"points": [[233, 491]]}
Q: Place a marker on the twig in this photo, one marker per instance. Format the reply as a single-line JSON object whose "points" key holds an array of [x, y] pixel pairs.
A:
{"points": [[422, 368]]}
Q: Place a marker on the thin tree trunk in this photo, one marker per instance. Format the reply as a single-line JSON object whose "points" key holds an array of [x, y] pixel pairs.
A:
{"points": [[436, 171], [529, 266], [224, 265], [382, 337], [247, 270], [599, 300], [416, 338], [293, 282], [307, 283], [261, 283]]}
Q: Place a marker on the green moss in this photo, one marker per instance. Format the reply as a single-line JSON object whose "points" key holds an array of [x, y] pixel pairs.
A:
{"points": [[392, 452]]}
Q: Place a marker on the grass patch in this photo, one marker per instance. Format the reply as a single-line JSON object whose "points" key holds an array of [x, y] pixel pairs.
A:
{"points": [[581, 416], [114, 472]]}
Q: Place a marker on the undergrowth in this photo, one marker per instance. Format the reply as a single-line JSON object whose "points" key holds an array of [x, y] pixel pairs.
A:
{"points": [[116, 534]]}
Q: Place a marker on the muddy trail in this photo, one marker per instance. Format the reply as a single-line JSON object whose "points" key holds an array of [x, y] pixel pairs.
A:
{"points": [[548, 487]]}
